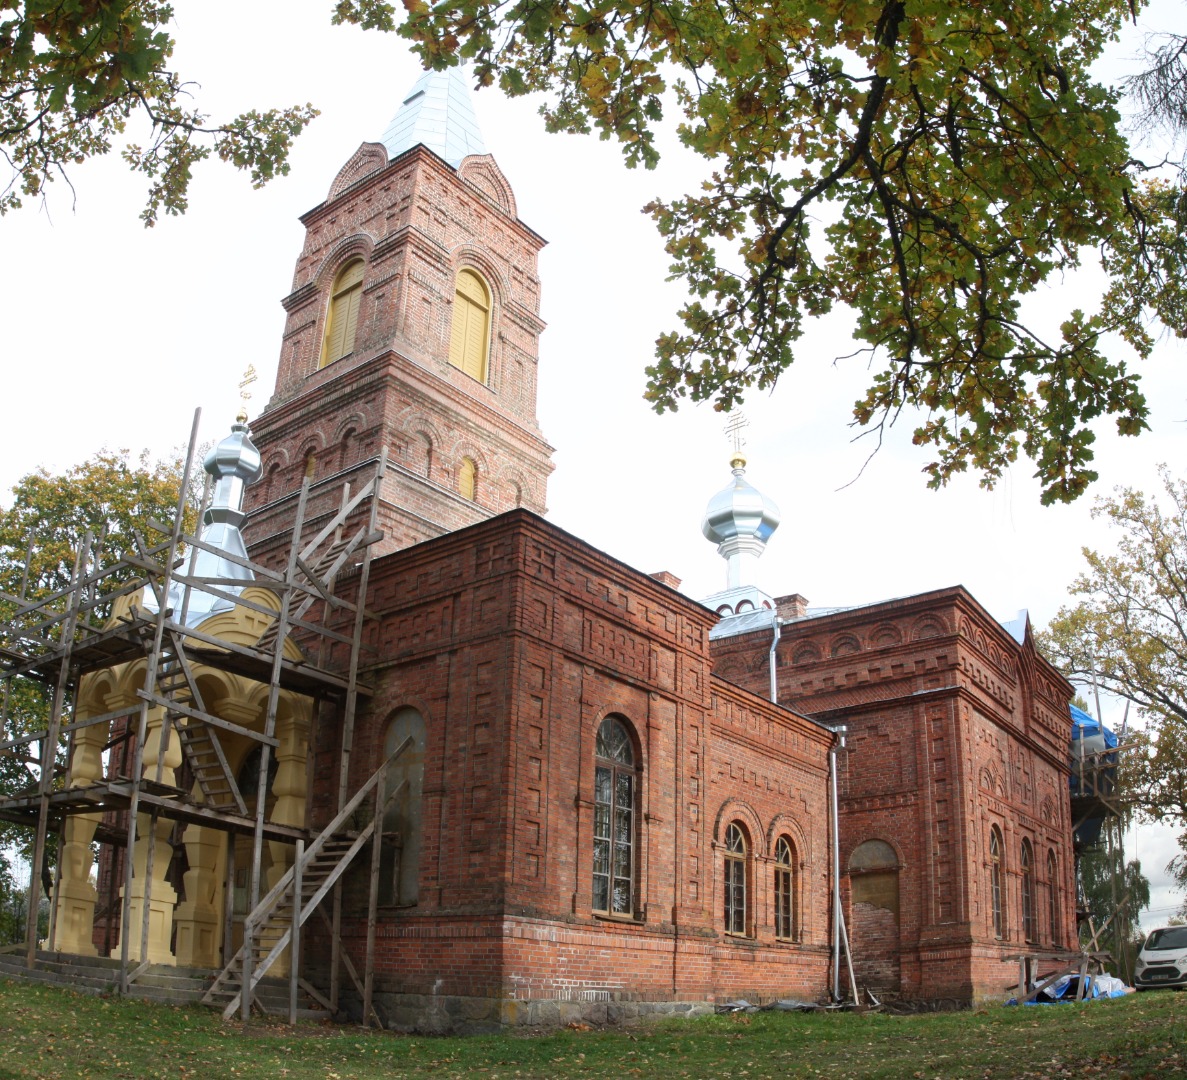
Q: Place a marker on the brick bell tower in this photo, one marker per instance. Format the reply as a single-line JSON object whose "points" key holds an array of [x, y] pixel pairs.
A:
{"points": [[413, 324]]}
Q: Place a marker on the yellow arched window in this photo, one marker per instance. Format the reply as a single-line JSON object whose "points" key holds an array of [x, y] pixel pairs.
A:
{"points": [[343, 318], [470, 339], [467, 482]]}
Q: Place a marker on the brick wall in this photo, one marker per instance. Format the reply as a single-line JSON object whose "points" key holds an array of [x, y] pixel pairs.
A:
{"points": [[416, 222], [515, 641], [953, 726]]}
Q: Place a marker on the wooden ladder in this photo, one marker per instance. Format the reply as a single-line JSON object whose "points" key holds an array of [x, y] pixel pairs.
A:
{"points": [[269, 925], [200, 745]]}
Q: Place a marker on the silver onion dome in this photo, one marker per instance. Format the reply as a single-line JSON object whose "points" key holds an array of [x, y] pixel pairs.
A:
{"points": [[740, 520], [233, 463]]}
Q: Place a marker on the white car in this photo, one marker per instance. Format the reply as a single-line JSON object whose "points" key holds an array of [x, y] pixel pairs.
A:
{"points": [[1163, 959]]}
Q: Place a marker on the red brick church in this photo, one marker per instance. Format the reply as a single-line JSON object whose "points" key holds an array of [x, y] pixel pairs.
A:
{"points": [[604, 811], [591, 796]]}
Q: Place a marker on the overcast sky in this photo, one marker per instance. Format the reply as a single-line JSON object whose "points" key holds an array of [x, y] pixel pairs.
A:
{"points": [[113, 334]]}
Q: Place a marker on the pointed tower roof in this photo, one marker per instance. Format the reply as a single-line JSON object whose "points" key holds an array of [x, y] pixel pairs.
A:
{"points": [[438, 112]]}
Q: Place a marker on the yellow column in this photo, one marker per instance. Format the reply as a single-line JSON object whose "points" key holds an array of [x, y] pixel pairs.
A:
{"points": [[164, 896], [75, 895], [199, 917], [292, 731]]}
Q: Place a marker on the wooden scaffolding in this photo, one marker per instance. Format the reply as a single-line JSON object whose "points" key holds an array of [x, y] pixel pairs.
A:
{"points": [[1100, 809], [57, 640]]}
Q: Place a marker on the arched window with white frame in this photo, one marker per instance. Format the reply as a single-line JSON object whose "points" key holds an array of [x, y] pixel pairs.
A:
{"points": [[997, 883], [736, 867], [786, 887], [616, 793], [1030, 930]]}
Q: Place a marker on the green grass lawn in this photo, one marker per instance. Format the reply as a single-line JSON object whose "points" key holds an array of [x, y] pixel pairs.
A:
{"points": [[48, 1033]]}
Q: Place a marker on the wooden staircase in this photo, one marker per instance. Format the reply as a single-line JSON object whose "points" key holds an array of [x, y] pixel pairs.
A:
{"points": [[315, 569], [268, 928], [186, 716]]}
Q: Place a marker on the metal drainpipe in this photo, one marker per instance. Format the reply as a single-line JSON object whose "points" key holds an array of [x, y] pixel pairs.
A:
{"points": [[836, 829], [774, 644]]}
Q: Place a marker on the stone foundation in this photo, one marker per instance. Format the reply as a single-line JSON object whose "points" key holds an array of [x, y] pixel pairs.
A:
{"points": [[428, 1014]]}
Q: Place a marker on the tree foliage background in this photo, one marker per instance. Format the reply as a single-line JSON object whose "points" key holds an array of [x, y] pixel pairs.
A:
{"points": [[75, 73], [1128, 632], [1113, 895], [42, 528], [927, 166]]}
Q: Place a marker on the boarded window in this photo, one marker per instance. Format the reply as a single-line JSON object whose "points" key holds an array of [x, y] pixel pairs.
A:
{"points": [[399, 865], [1053, 897], [469, 339], [873, 871], [343, 318], [467, 483], [1029, 929]]}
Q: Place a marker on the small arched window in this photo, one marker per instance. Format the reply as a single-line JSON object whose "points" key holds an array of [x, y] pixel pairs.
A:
{"points": [[469, 340], [735, 879], [467, 481], [422, 453], [1053, 897], [996, 883], [344, 448], [272, 482], [342, 319], [786, 923], [615, 793], [1029, 929]]}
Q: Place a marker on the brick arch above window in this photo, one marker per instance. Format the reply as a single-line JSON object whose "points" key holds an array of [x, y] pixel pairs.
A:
{"points": [[844, 645], [788, 824], [737, 810], [928, 626], [806, 653]]}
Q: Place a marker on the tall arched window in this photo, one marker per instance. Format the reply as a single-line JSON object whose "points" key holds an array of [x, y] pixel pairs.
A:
{"points": [[469, 339], [1053, 897], [786, 923], [614, 820], [342, 319], [996, 883], [467, 480], [399, 863], [735, 879], [1029, 929]]}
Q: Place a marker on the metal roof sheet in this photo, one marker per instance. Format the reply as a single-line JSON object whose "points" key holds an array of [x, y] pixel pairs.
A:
{"points": [[439, 113]]}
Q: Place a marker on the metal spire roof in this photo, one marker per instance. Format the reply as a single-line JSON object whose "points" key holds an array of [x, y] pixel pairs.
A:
{"points": [[438, 112]]}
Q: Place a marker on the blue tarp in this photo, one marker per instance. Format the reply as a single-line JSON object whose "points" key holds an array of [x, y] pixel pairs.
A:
{"points": [[1095, 986], [1088, 728], [1091, 741]]}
